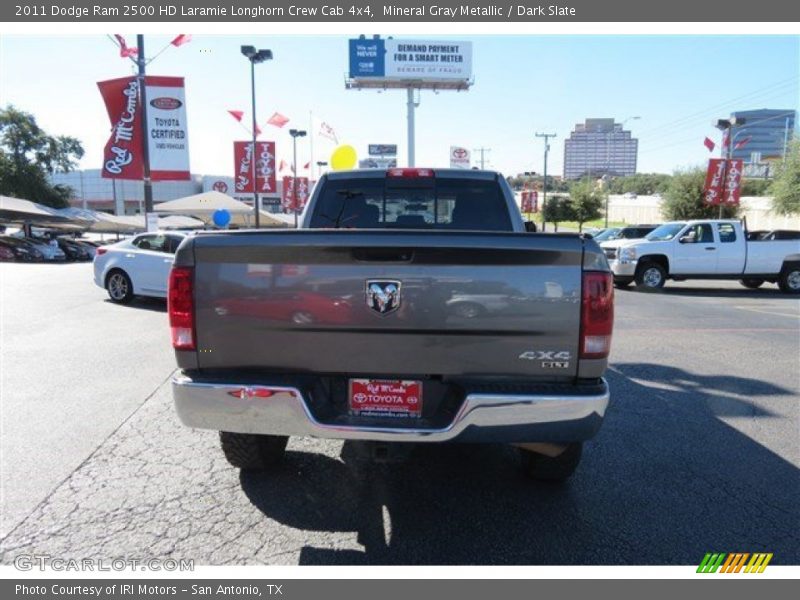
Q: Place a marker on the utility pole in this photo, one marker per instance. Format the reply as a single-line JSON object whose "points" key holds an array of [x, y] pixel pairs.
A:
{"points": [[546, 137], [483, 152], [785, 140], [148, 184]]}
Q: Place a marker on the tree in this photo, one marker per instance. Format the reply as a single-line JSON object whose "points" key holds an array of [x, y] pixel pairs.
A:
{"points": [[641, 184], [684, 199], [585, 202], [755, 187], [786, 188], [557, 209], [28, 155]]}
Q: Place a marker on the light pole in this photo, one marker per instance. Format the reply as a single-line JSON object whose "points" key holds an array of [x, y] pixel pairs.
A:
{"points": [[255, 57], [608, 162], [546, 137], [320, 164], [295, 133]]}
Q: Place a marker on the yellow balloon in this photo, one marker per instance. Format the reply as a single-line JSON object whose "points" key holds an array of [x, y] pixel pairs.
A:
{"points": [[343, 158]]}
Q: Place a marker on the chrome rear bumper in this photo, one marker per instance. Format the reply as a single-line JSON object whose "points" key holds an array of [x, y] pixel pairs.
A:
{"points": [[276, 410]]}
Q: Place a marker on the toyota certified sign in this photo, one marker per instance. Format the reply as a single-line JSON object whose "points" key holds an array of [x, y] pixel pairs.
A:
{"points": [[459, 158]]}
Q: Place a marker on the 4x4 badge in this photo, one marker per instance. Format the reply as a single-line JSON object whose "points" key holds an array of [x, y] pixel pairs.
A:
{"points": [[383, 295]]}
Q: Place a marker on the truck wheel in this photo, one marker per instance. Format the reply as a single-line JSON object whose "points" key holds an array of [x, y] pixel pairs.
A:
{"points": [[789, 280], [751, 283], [650, 276], [552, 468], [119, 287], [252, 452]]}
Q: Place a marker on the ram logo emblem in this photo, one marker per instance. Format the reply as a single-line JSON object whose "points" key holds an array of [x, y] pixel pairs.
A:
{"points": [[383, 296]]}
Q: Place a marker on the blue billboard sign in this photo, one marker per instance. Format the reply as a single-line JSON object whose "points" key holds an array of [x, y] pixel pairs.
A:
{"points": [[367, 58]]}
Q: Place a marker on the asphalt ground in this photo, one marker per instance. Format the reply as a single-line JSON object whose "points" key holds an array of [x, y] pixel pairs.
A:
{"points": [[699, 451]]}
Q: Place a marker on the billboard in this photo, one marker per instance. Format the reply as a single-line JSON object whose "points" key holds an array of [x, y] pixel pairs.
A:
{"points": [[378, 163], [265, 167], [382, 149], [418, 60], [459, 158], [167, 135]]}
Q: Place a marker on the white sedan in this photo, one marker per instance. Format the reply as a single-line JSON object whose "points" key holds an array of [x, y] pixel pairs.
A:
{"points": [[138, 266]]}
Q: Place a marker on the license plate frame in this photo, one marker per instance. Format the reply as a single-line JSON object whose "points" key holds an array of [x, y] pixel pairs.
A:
{"points": [[393, 398]]}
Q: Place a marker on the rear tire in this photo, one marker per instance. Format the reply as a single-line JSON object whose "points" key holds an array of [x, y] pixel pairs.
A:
{"points": [[752, 283], [789, 279], [119, 287], [552, 468], [252, 452], [650, 276]]}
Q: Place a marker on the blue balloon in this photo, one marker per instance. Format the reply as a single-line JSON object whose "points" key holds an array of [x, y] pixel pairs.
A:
{"points": [[221, 217]]}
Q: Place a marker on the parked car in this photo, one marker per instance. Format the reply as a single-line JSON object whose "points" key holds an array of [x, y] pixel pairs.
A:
{"points": [[73, 250], [605, 234], [22, 249], [707, 249], [138, 266], [49, 248], [6, 254], [629, 232], [395, 364]]}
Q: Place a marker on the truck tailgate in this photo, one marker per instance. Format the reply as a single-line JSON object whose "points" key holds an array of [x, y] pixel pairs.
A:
{"points": [[389, 302]]}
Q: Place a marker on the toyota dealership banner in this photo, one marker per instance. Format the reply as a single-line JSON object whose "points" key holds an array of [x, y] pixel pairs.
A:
{"points": [[264, 169], [167, 134], [422, 61], [459, 158], [291, 201]]}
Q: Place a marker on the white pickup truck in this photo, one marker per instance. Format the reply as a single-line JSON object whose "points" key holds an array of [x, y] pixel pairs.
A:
{"points": [[706, 249]]}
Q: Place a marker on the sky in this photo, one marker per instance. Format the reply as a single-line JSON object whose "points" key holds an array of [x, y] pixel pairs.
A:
{"points": [[676, 85]]}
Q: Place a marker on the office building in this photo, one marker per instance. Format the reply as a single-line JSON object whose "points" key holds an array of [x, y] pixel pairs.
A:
{"points": [[600, 147], [765, 134]]}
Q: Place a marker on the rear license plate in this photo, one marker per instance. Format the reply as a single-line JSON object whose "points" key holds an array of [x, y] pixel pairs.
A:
{"points": [[385, 398]]}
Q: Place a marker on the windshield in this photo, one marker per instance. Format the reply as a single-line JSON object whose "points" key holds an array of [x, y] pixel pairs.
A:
{"points": [[608, 234], [665, 232], [424, 203]]}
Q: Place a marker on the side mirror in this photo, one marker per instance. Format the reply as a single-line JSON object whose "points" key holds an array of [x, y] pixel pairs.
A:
{"points": [[530, 227]]}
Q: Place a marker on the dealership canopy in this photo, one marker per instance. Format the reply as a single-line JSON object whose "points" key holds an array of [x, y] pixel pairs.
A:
{"points": [[17, 210], [203, 206]]}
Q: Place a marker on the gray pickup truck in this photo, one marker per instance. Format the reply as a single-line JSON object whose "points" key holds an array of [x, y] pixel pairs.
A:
{"points": [[411, 306]]}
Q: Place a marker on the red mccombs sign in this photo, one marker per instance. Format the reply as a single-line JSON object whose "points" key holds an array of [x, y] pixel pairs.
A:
{"points": [[265, 167], [167, 138], [723, 181]]}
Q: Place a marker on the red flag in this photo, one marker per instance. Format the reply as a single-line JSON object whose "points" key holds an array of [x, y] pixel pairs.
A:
{"points": [[258, 130], [709, 143], [236, 114], [742, 143], [282, 166], [124, 50], [183, 38], [278, 120], [307, 165]]}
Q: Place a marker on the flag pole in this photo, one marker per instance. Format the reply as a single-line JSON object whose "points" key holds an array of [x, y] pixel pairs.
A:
{"points": [[311, 140]]}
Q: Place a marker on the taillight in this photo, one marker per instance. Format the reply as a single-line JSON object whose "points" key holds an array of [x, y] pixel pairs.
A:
{"points": [[597, 314], [101, 251], [180, 305], [409, 173]]}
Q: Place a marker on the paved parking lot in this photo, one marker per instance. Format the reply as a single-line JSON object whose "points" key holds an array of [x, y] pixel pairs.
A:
{"points": [[700, 450]]}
